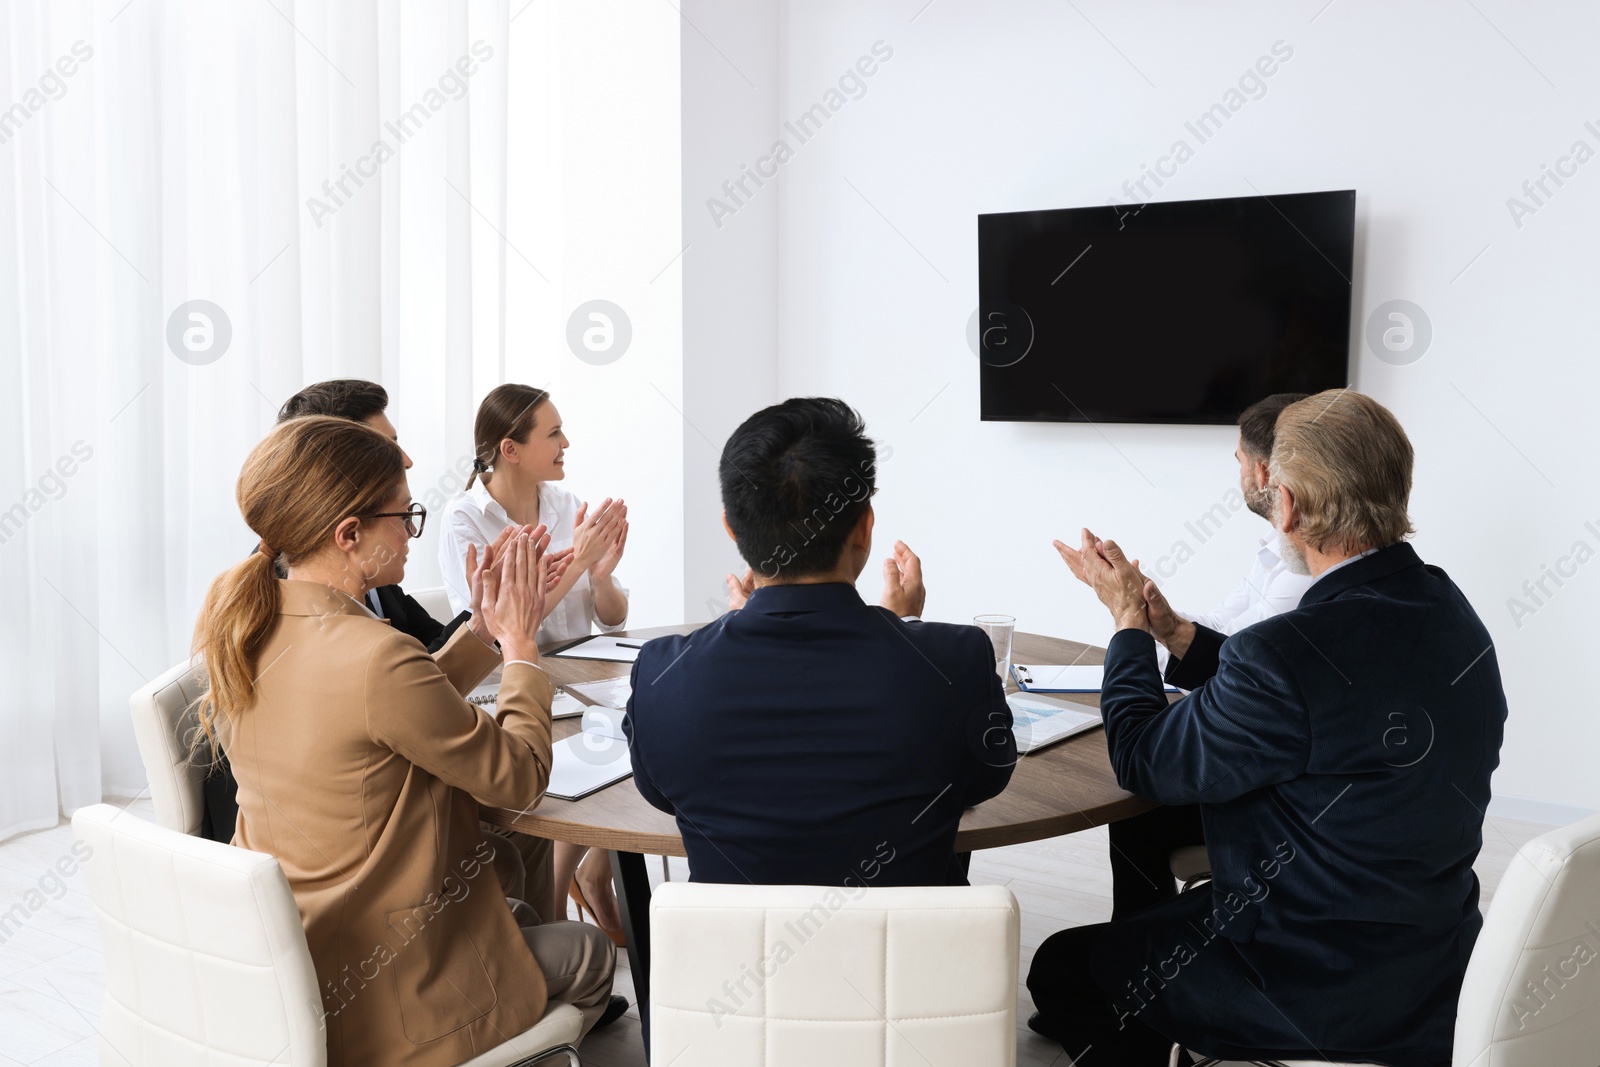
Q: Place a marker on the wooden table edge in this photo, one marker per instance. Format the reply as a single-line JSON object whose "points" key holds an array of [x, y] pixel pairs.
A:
{"points": [[670, 843], [972, 839], [648, 843]]}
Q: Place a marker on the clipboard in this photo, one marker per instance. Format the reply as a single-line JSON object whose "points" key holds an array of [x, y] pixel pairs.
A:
{"points": [[1062, 678], [603, 646]]}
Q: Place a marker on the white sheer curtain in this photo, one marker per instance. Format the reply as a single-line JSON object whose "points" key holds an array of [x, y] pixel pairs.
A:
{"points": [[333, 176]]}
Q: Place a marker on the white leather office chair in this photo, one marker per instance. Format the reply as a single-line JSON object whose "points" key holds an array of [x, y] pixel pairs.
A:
{"points": [[762, 976], [206, 960], [163, 722], [1531, 997], [435, 602]]}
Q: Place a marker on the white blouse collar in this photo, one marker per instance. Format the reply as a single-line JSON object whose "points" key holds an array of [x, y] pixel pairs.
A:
{"points": [[488, 505]]}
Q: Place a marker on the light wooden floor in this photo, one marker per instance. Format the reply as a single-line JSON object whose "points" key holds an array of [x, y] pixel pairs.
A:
{"points": [[52, 977]]}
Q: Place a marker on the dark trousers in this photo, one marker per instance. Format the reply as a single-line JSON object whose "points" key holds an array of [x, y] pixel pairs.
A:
{"points": [[220, 807], [1141, 848], [1075, 1011]]}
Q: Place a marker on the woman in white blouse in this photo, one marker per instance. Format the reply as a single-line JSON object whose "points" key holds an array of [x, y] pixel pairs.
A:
{"points": [[519, 452]]}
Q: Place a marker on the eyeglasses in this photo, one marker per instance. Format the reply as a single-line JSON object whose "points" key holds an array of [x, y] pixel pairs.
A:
{"points": [[416, 517]]}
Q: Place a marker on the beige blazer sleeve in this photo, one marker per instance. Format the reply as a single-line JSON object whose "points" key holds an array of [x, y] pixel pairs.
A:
{"points": [[466, 660], [413, 707]]}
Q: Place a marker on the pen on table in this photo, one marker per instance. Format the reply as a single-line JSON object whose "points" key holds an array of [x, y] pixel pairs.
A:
{"points": [[630, 644]]}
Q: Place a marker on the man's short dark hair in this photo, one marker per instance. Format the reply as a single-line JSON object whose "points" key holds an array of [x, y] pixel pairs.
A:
{"points": [[796, 478], [343, 398], [1258, 421]]}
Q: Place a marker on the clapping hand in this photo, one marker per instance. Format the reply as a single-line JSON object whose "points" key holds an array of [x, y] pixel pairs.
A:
{"points": [[558, 562], [594, 536], [1102, 566], [607, 563], [739, 589], [1074, 558], [903, 591], [514, 587], [1170, 628], [1164, 623], [477, 568]]}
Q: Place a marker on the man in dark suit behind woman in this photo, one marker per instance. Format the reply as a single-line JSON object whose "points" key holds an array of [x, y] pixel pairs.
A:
{"points": [[355, 400], [1340, 754], [808, 737], [367, 402]]}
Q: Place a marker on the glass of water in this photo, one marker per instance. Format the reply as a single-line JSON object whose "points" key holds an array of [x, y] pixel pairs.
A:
{"points": [[999, 628]]}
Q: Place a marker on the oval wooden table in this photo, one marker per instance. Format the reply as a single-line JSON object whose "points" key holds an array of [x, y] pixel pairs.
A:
{"points": [[1061, 789]]}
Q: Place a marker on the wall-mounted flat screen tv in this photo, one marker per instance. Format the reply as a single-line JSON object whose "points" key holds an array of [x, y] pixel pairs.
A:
{"points": [[1178, 312]]}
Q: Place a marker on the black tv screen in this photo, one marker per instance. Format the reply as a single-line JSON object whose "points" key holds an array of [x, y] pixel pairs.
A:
{"points": [[1178, 312]]}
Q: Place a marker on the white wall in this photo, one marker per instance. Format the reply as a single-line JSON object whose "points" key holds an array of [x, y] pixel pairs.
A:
{"points": [[729, 268], [1436, 117]]}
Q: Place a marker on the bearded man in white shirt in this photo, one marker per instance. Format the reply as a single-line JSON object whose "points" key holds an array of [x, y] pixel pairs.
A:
{"points": [[1142, 846], [1271, 587]]}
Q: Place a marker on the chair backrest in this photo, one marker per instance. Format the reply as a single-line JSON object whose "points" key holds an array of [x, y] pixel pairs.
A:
{"points": [[742, 973], [163, 721], [435, 602], [206, 960], [1531, 997]]}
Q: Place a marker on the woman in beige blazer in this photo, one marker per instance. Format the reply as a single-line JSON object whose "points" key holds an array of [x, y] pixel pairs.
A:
{"points": [[361, 765]]}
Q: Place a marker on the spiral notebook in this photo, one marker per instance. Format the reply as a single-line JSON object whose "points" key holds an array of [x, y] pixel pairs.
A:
{"points": [[564, 706]]}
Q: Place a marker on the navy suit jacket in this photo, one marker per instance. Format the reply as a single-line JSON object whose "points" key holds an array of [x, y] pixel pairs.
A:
{"points": [[409, 617], [1341, 755], [809, 739]]}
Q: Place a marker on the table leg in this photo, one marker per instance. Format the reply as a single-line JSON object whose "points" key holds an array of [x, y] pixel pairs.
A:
{"points": [[633, 900]]}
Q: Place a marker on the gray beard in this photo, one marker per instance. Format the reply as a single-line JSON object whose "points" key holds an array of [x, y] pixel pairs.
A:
{"points": [[1293, 557]]}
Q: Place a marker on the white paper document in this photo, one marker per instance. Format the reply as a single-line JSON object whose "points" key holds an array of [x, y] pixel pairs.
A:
{"points": [[1039, 721], [606, 647], [565, 705], [609, 692], [604, 722], [1058, 678], [591, 759]]}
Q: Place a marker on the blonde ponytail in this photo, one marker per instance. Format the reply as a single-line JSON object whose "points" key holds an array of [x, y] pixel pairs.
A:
{"points": [[240, 608]]}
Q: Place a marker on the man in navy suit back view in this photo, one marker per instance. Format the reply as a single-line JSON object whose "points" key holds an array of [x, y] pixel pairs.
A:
{"points": [[806, 737], [1340, 754]]}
